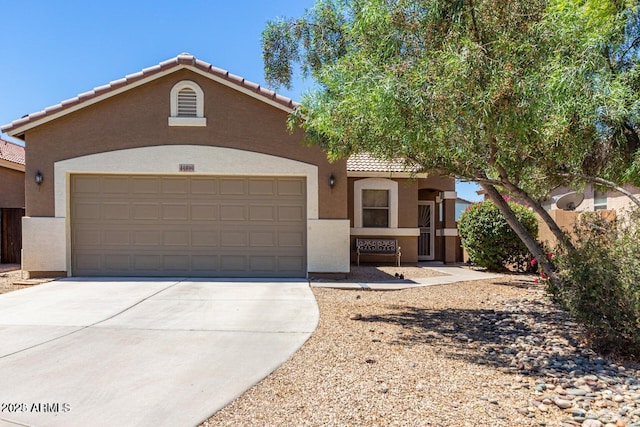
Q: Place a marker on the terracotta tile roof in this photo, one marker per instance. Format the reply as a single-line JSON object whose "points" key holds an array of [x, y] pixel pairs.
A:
{"points": [[11, 152], [184, 59], [365, 162]]}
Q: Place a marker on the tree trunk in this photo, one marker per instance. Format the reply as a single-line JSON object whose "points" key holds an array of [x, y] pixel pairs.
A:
{"points": [[520, 230], [560, 236]]}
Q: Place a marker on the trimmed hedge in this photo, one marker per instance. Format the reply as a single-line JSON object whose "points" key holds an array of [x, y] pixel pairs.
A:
{"points": [[489, 240]]}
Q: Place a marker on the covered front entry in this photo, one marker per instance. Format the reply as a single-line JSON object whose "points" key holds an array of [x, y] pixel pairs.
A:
{"points": [[426, 222], [198, 226]]}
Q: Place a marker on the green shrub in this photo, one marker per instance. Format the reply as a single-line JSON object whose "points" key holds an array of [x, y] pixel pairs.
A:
{"points": [[599, 283], [489, 240]]}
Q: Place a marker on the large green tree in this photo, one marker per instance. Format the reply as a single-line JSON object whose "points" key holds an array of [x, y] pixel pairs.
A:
{"points": [[594, 74], [482, 90]]}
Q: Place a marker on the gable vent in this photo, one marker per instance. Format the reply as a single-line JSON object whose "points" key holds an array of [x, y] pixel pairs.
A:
{"points": [[187, 103]]}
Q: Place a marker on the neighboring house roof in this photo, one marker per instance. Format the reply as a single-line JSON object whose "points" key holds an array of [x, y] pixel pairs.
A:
{"points": [[464, 201], [184, 60], [11, 155], [365, 163], [461, 206]]}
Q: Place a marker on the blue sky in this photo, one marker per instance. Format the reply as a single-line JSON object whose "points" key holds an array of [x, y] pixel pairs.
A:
{"points": [[54, 50]]}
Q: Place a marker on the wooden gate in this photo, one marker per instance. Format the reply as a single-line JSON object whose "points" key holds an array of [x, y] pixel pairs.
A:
{"points": [[10, 235]]}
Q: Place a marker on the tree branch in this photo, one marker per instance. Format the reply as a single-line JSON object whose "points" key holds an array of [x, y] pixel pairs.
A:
{"points": [[605, 183], [557, 232], [632, 46], [505, 182]]}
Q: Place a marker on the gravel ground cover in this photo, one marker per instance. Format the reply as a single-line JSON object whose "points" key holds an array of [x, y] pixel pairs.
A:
{"points": [[7, 277], [482, 353]]}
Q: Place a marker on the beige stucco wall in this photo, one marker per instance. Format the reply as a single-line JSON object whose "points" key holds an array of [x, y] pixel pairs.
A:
{"points": [[566, 220], [620, 202], [328, 246], [43, 243], [11, 188]]}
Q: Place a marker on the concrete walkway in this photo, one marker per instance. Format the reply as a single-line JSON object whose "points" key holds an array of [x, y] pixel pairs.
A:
{"points": [[125, 352], [451, 274]]}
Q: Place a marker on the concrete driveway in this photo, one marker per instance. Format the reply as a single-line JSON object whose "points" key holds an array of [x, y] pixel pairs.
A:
{"points": [[125, 352]]}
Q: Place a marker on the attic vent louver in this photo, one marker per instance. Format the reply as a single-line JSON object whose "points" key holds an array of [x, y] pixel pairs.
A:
{"points": [[187, 105]]}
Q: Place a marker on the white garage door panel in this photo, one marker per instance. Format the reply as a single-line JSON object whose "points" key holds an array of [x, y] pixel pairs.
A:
{"points": [[193, 226]]}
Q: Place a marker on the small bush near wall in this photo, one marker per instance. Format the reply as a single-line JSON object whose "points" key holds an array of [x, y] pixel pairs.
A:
{"points": [[489, 240], [600, 282]]}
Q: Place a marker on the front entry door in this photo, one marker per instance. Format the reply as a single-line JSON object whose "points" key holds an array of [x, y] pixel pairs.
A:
{"points": [[426, 223]]}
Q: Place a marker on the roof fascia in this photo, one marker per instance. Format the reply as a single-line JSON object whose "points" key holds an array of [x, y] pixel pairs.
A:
{"points": [[20, 130], [239, 88], [10, 165]]}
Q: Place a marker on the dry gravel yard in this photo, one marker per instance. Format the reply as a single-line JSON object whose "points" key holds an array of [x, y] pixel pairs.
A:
{"points": [[8, 275], [484, 353]]}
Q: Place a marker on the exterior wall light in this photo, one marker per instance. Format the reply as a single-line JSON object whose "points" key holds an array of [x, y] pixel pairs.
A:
{"points": [[332, 181], [39, 178]]}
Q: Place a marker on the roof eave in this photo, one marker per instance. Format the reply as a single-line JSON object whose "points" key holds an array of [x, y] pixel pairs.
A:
{"points": [[18, 127], [11, 165]]}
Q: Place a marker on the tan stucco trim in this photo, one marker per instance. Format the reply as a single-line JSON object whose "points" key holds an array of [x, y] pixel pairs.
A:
{"points": [[447, 232], [187, 84], [10, 165], [167, 158], [187, 121], [449, 195], [375, 184]]}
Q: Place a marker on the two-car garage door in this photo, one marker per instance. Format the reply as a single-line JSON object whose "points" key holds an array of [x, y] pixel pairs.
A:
{"points": [[199, 226]]}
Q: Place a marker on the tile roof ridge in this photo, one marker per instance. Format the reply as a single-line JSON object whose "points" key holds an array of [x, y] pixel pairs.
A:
{"points": [[184, 59]]}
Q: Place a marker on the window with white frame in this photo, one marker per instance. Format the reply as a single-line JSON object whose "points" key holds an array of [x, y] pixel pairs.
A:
{"points": [[187, 105], [599, 200], [375, 203]]}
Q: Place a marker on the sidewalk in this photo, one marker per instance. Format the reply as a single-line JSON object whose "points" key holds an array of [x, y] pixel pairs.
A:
{"points": [[453, 273]]}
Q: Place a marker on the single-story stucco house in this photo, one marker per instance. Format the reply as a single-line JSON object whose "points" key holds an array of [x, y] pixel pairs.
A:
{"points": [[183, 169], [11, 201]]}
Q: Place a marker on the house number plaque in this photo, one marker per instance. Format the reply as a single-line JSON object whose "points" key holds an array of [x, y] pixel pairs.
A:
{"points": [[187, 168]]}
